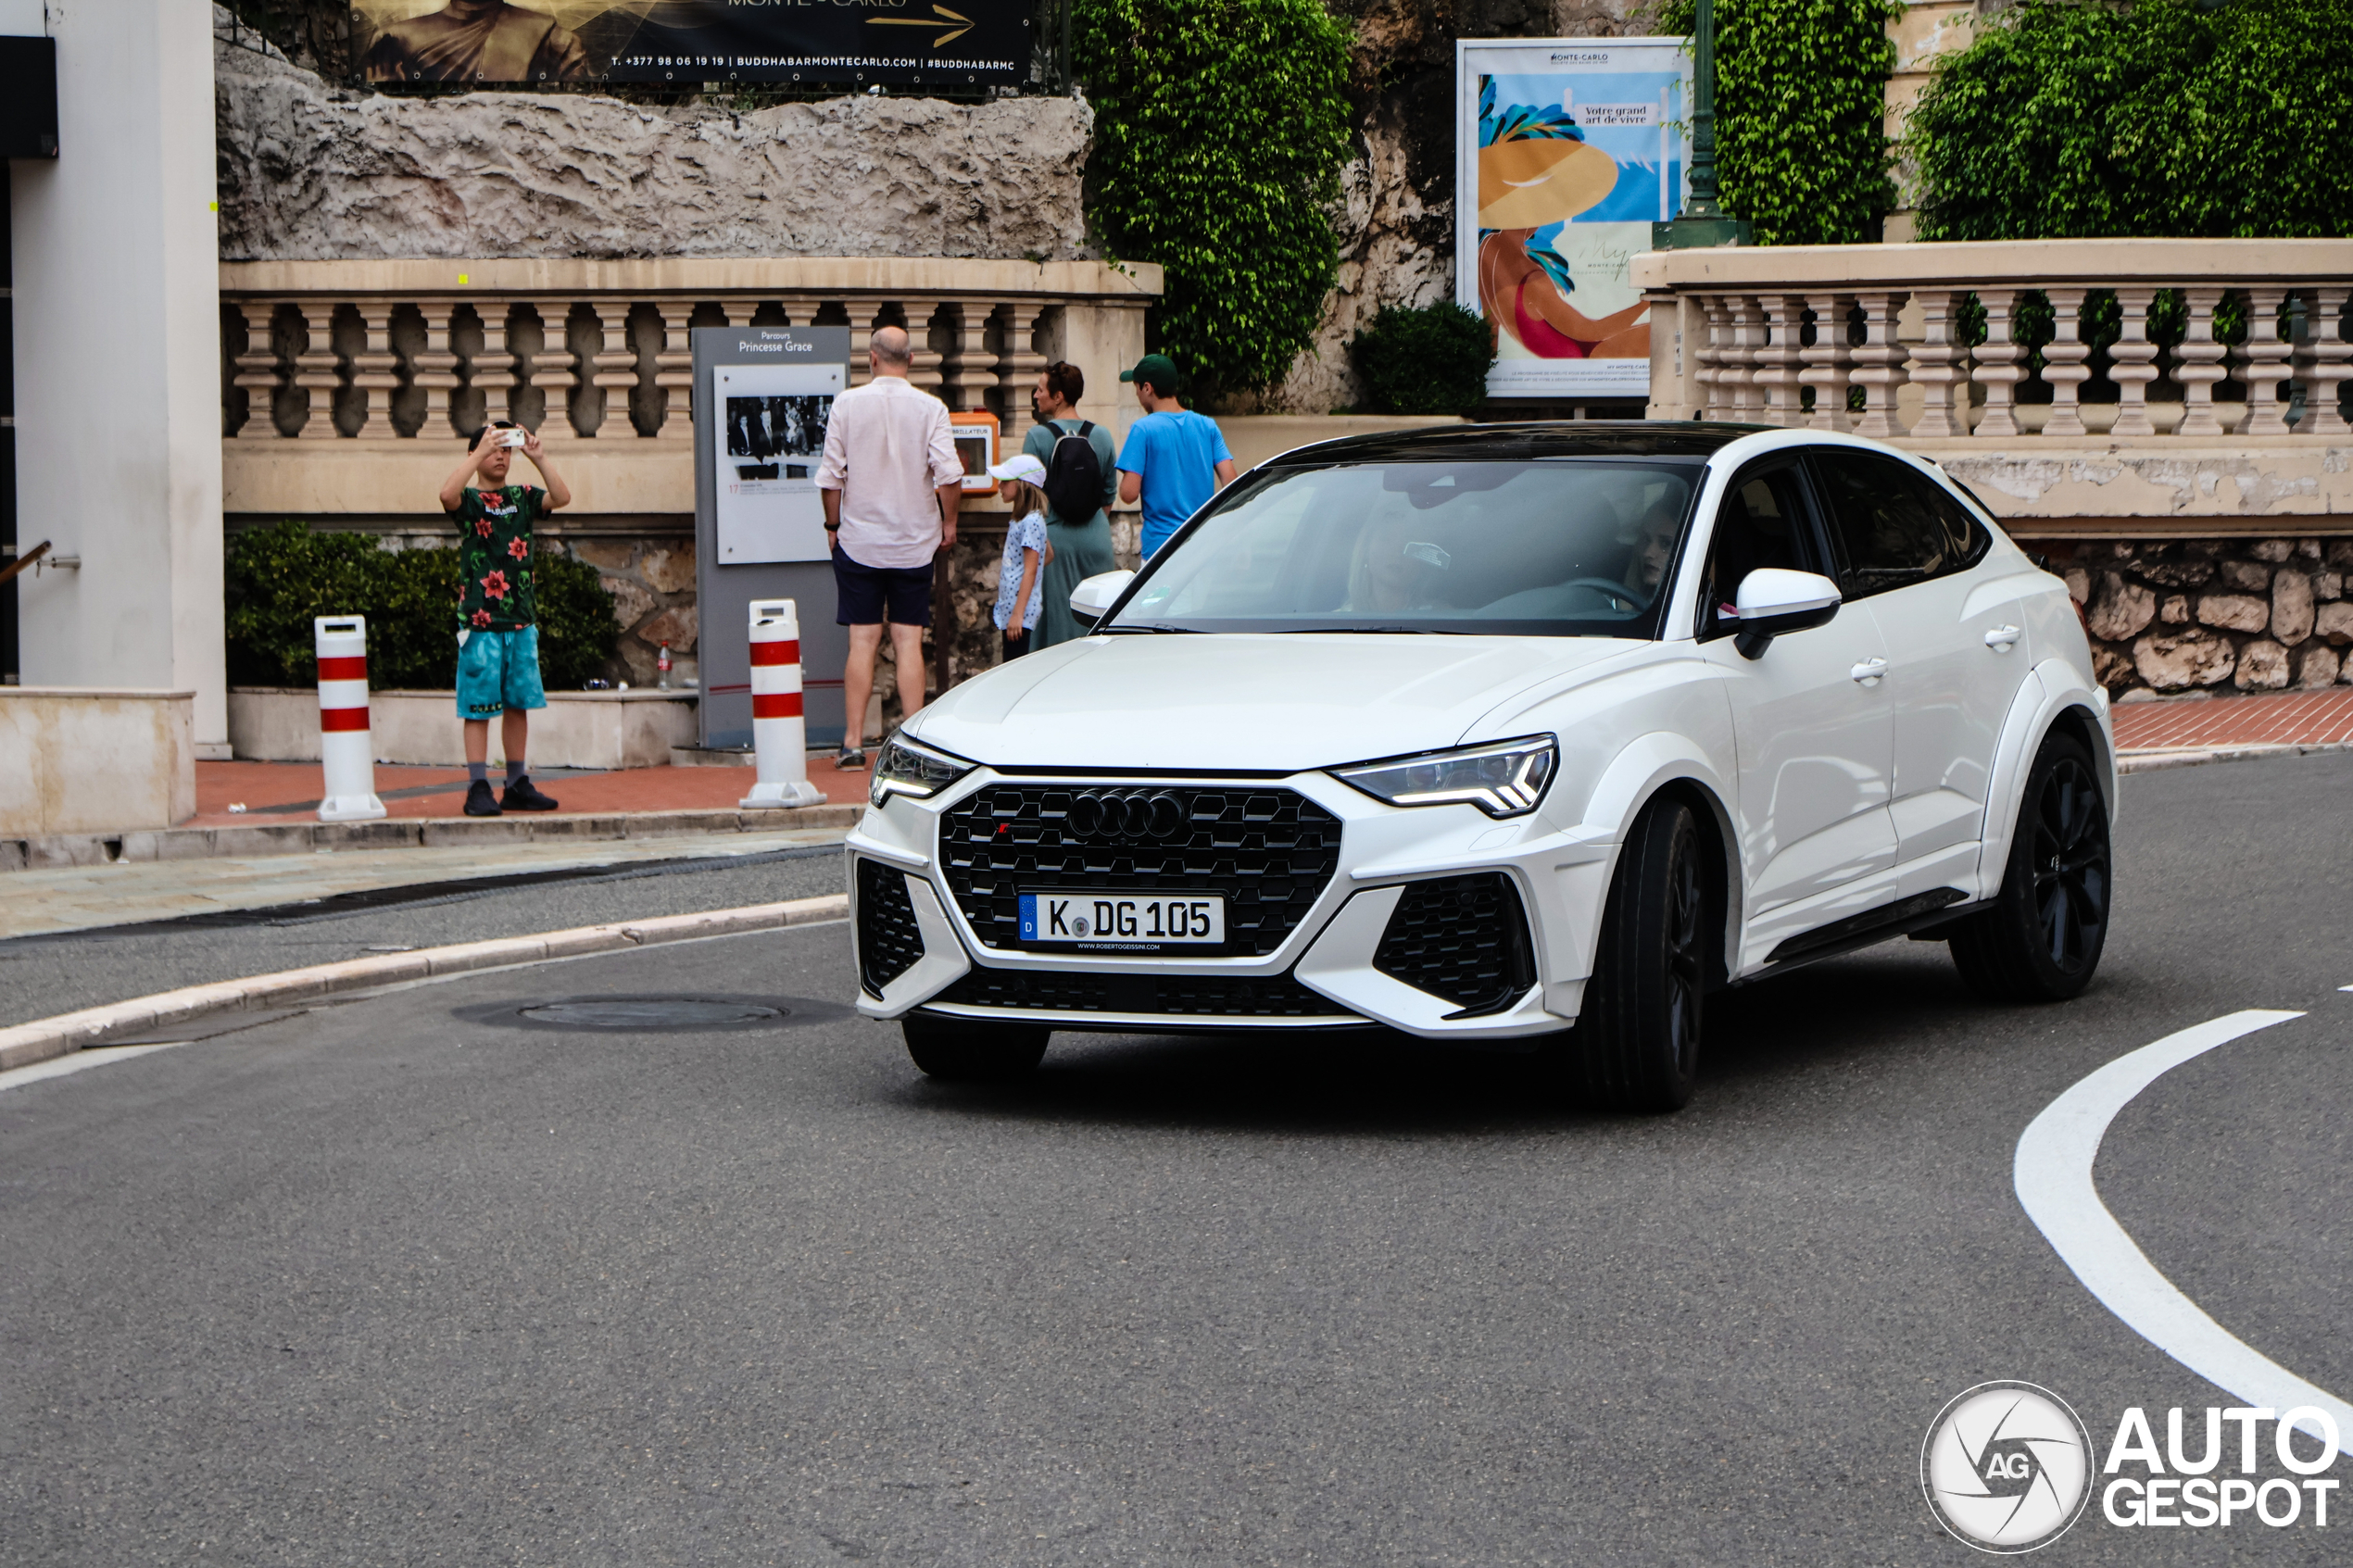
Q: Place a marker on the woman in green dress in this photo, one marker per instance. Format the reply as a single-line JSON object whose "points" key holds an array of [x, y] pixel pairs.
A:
{"points": [[1082, 549]]}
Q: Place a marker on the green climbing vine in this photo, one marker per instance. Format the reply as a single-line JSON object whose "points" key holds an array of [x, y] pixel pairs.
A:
{"points": [[1221, 127], [1800, 103], [2071, 119]]}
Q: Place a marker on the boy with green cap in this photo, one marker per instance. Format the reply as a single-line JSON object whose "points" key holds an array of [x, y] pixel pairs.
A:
{"points": [[1173, 459]]}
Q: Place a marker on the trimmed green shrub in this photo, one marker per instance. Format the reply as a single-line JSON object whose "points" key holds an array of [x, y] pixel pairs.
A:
{"points": [[2066, 119], [1428, 361], [1801, 105], [280, 577], [1221, 127]]}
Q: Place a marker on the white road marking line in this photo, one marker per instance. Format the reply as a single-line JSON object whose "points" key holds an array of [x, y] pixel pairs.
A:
{"points": [[2053, 1175], [96, 1056]]}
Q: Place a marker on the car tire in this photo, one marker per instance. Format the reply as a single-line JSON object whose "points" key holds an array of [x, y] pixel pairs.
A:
{"points": [[1637, 1038], [2041, 940], [966, 1052]]}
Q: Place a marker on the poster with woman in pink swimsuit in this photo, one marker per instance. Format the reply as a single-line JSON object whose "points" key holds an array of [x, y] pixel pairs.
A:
{"points": [[1572, 148]]}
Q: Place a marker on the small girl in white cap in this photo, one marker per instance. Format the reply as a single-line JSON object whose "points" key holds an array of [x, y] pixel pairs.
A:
{"points": [[1020, 576]]}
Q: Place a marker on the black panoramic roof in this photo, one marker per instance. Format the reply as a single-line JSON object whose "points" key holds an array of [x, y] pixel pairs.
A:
{"points": [[1523, 442]]}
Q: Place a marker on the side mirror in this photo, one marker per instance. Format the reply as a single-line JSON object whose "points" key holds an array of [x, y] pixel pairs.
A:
{"points": [[1773, 600], [1092, 597]]}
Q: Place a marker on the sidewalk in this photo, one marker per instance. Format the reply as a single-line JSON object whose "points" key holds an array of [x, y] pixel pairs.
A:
{"points": [[2178, 731], [284, 791]]}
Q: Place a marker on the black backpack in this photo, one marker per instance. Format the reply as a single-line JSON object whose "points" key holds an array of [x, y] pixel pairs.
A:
{"points": [[1074, 476]]}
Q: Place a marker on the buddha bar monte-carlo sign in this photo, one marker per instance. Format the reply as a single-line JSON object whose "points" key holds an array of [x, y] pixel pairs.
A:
{"points": [[983, 42]]}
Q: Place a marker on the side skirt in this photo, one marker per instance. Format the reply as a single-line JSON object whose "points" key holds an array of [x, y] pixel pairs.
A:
{"points": [[1937, 907]]}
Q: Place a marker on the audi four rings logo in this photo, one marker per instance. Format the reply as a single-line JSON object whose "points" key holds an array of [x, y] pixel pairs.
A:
{"points": [[1140, 815], [2006, 1467]]}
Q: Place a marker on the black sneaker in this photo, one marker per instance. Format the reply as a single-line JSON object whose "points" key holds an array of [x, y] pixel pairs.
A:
{"points": [[480, 802], [524, 796]]}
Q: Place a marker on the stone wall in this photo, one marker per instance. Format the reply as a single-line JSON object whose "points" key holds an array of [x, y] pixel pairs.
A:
{"points": [[311, 171], [2179, 616]]}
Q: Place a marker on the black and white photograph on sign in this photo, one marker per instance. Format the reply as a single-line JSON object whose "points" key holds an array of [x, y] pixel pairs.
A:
{"points": [[777, 437], [770, 437]]}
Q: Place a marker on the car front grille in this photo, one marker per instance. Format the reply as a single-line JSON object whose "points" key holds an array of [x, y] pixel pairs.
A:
{"points": [[1173, 995], [1269, 852], [1464, 938], [889, 942]]}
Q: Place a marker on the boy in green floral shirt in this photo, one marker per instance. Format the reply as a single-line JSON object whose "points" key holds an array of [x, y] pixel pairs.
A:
{"points": [[498, 611]]}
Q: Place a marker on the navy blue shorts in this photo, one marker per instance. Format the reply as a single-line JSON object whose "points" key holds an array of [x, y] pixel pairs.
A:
{"points": [[864, 593]]}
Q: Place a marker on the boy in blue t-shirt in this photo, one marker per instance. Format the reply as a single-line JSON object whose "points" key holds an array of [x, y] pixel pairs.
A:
{"points": [[1173, 459]]}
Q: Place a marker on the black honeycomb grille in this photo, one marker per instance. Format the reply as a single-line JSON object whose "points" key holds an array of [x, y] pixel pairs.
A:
{"points": [[1270, 852], [1175, 996], [1461, 937], [889, 942]]}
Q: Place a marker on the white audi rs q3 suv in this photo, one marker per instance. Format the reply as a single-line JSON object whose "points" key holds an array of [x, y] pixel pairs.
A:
{"points": [[1527, 734]]}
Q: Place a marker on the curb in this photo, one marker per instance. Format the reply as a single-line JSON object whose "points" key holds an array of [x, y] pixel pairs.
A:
{"points": [[2190, 757], [23, 1045], [52, 850]]}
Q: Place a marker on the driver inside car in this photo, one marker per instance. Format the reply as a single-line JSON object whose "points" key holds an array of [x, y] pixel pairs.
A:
{"points": [[1394, 572]]}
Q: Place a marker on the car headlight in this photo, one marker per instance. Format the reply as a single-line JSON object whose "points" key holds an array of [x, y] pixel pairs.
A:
{"points": [[1503, 778], [906, 767]]}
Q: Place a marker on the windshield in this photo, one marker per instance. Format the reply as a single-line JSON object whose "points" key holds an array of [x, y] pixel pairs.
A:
{"points": [[1556, 548]]}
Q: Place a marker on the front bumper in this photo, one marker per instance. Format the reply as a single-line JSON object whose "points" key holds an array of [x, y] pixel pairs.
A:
{"points": [[926, 953]]}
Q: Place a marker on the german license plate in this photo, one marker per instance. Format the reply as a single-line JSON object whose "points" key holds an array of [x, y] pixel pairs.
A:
{"points": [[1121, 920]]}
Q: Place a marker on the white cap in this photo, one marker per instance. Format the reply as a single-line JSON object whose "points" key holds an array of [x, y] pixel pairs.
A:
{"points": [[1021, 466]]}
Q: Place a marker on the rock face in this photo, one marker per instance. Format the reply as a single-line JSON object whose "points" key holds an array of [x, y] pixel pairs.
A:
{"points": [[2179, 664], [309, 171], [2122, 608], [2263, 666], [2289, 623]]}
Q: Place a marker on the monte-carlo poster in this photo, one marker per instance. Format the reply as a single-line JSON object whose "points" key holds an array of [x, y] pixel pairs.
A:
{"points": [[1569, 150]]}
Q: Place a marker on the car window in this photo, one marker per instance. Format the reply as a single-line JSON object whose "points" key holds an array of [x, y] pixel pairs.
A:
{"points": [[1762, 523], [1889, 525], [1968, 539], [1543, 547]]}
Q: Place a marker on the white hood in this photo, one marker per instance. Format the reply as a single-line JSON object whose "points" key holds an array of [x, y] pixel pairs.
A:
{"points": [[1287, 703]]}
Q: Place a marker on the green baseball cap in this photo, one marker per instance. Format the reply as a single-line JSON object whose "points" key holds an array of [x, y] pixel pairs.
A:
{"points": [[1155, 370]]}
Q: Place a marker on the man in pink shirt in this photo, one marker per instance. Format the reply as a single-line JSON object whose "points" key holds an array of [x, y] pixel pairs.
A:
{"points": [[890, 482]]}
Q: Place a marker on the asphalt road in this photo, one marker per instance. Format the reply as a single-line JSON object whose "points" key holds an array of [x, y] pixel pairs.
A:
{"points": [[408, 1280], [41, 976]]}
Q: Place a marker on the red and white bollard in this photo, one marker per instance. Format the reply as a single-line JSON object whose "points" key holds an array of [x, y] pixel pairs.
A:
{"points": [[346, 748], [779, 737]]}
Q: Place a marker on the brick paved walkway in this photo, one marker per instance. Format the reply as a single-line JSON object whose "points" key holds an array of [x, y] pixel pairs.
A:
{"points": [[284, 792], [2321, 718]]}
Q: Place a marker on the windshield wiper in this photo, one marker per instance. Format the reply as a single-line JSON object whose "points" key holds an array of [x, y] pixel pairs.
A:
{"points": [[1153, 626], [1363, 631]]}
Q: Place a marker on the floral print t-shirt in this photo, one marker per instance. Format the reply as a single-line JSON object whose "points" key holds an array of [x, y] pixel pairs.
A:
{"points": [[493, 558]]}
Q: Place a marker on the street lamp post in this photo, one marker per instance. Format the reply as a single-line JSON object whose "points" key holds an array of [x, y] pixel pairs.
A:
{"points": [[1702, 223]]}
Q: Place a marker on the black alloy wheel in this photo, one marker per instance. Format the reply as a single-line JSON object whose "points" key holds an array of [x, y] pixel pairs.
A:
{"points": [[1637, 1041], [2042, 939], [973, 1052]]}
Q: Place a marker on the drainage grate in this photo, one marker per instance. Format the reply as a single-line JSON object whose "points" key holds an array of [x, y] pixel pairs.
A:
{"points": [[651, 1015]]}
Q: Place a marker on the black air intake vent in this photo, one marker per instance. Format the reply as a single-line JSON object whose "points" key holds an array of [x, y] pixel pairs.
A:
{"points": [[1464, 938], [889, 942]]}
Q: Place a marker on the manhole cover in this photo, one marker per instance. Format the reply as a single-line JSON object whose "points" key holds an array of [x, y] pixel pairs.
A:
{"points": [[705, 1014], [653, 1012]]}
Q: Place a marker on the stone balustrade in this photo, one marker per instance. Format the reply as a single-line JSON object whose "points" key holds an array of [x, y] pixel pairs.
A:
{"points": [[598, 350], [2164, 419], [1920, 343]]}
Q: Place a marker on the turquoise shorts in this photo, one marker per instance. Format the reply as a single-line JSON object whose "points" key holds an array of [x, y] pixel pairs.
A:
{"points": [[498, 670]]}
